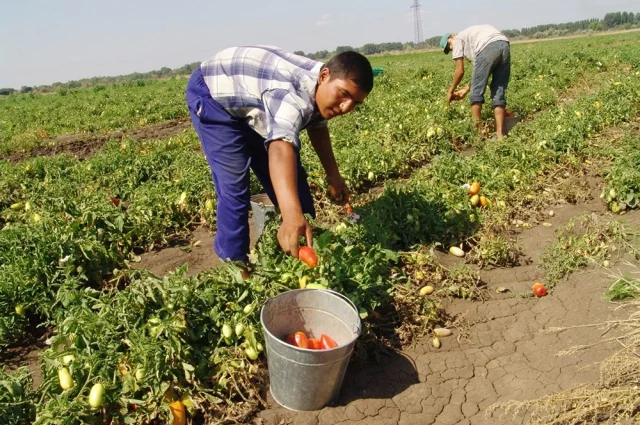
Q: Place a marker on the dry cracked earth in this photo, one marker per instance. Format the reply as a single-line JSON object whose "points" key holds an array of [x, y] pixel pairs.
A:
{"points": [[509, 350], [506, 350]]}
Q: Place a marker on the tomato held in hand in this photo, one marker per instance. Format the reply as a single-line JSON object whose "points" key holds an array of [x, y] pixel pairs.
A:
{"points": [[308, 256], [539, 290], [327, 342]]}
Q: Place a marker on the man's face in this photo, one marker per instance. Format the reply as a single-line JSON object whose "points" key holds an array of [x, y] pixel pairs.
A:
{"points": [[450, 41], [337, 97]]}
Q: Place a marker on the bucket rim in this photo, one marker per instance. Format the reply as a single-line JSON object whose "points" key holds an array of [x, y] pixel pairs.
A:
{"points": [[262, 198], [357, 331]]}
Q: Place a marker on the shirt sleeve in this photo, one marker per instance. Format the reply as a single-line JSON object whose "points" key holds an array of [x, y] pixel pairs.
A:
{"points": [[284, 113], [458, 49]]}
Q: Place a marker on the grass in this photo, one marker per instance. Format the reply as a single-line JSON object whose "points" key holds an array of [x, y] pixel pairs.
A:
{"points": [[585, 240], [623, 288]]}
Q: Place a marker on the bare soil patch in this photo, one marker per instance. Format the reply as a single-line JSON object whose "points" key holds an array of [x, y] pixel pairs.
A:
{"points": [[85, 145]]}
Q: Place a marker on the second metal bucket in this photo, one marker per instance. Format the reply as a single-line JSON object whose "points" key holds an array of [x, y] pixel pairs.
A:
{"points": [[261, 205], [302, 379]]}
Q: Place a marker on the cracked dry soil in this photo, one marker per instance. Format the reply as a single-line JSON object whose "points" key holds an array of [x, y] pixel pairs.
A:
{"points": [[509, 351]]}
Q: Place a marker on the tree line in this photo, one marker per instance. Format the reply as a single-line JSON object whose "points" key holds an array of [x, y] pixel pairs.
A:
{"points": [[612, 20]]}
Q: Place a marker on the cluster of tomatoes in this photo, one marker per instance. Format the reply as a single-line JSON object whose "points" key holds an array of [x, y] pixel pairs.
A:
{"points": [[300, 340], [475, 198]]}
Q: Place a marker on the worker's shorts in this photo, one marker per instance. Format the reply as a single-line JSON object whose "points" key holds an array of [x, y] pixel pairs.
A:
{"points": [[494, 60], [231, 148]]}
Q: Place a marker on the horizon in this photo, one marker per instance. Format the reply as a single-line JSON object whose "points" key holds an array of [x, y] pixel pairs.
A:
{"points": [[46, 43]]}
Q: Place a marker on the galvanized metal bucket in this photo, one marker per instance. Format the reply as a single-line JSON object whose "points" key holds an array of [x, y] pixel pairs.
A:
{"points": [[261, 205], [302, 379]]}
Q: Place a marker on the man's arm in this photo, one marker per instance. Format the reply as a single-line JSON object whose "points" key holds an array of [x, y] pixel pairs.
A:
{"points": [[321, 142], [457, 77], [283, 174]]}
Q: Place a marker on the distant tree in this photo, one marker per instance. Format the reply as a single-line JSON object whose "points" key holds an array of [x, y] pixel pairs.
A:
{"points": [[511, 33], [370, 49], [410, 45], [342, 49], [388, 47], [433, 41], [596, 26], [322, 54], [26, 89], [6, 91], [299, 53]]}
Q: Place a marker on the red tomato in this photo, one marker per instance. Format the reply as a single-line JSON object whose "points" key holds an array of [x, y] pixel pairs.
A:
{"points": [[308, 256], [290, 340], [115, 202], [539, 290], [348, 208], [301, 340], [315, 344], [327, 342]]}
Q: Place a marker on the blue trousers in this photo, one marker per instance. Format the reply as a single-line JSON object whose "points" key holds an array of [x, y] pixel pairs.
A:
{"points": [[232, 147], [494, 60]]}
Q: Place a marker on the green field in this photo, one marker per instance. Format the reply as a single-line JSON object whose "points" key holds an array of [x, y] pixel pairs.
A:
{"points": [[71, 227]]}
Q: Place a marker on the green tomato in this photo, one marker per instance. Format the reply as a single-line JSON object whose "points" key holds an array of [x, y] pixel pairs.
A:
{"points": [[227, 332], [19, 310], [315, 286], [66, 381], [96, 396], [239, 329], [68, 359], [154, 326], [140, 373], [251, 353]]}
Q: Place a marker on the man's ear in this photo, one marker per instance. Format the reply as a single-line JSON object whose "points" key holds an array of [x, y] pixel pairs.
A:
{"points": [[325, 75]]}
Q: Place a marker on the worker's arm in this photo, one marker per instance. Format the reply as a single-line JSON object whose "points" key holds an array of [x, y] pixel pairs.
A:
{"points": [[321, 142], [457, 77], [283, 171]]}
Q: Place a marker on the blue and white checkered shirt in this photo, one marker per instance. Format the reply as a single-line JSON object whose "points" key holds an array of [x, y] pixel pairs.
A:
{"points": [[272, 89]]}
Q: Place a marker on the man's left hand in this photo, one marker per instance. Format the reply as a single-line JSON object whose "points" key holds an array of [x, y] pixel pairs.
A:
{"points": [[338, 190]]}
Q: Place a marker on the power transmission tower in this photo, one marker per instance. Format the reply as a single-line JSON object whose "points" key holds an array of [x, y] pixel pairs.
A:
{"points": [[417, 22]]}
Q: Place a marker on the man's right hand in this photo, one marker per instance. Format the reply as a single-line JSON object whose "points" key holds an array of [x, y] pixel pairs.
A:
{"points": [[450, 97], [290, 231]]}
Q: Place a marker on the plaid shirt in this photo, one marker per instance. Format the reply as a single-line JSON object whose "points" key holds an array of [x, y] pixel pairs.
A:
{"points": [[273, 90]]}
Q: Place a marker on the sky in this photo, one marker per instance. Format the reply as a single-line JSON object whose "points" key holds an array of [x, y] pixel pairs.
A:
{"points": [[42, 41]]}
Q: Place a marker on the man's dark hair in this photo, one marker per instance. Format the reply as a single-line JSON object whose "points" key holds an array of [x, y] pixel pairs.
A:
{"points": [[352, 66]]}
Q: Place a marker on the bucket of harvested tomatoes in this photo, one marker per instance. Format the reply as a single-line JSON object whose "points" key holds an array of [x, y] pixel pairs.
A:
{"points": [[309, 335]]}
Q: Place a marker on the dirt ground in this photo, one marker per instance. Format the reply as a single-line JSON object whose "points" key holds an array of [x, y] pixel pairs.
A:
{"points": [[508, 351], [84, 145]]}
